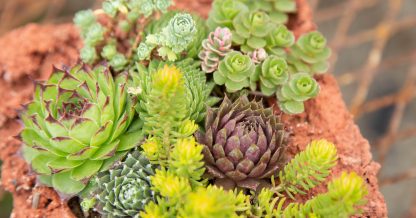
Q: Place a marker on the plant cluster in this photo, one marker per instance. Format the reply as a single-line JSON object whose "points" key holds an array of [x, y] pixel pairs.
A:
{"points": [[251, 48], [158, 121]]}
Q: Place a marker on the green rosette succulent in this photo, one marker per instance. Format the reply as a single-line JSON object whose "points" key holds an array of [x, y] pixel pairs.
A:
{"points": [[310, 54], [236, 72], [277, 9], [273, 73], [223, 13], [301, 87], [79, 123], [279, 39], [125, 190], [250, 29]]}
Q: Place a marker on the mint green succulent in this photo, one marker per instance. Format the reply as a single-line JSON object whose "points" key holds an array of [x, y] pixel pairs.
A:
{"points": [[278, 40], [250, 29], [172, 40], [310, 54], [273, 73], [223, 13], [299, 88], [125, 190], [236, 72], [79, 123]]}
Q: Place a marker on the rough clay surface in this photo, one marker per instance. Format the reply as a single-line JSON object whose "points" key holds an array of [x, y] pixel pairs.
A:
{"points": [[28, 53]]}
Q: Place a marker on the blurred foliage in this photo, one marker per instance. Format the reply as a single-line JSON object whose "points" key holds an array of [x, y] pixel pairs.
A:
{"points": [[6, 200]]}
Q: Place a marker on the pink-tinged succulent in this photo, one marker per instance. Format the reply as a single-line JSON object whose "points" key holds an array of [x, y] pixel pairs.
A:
{"points": [[215, 48], [243, 143], [258, 55]]}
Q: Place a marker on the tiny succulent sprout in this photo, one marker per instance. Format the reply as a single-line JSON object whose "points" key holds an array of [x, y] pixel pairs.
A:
{"points": [[78, 125], [274, 73], [215, 48], [244, 143], [125, 190], [223, 13], [299, 88], [279, 39], [311, 50], [84, 20], [258, 55], [250, 30], [236, 72]]}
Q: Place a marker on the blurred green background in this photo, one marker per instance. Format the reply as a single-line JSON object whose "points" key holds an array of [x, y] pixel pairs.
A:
{"points": [[374, 61]]}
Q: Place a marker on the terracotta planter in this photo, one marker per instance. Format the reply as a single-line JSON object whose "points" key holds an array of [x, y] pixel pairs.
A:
{"points": [[29, 52]]}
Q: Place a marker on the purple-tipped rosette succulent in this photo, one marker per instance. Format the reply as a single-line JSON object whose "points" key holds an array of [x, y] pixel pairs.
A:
{"points": [[243, 143]]}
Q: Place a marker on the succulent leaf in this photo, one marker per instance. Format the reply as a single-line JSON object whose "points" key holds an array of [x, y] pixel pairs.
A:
{"points": [[215, 48]]}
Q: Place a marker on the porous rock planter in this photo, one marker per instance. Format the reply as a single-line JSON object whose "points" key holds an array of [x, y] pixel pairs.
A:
{"points": [[28, 53]]}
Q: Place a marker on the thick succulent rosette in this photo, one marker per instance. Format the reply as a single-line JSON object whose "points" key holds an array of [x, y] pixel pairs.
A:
{"points": [[223, 12], [250, 29], [125, 190], [301, 87], [279, 39], [313, 51], [243, 143], [77, 125], [277, 9], [273, 73], [180, 32], [236, 72], [215, 48]]}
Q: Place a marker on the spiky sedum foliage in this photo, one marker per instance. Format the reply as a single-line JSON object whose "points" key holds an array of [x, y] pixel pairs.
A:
{"points": [[114, 39], [125, 190], [306, 170], [79, 123], [244, 143], [172, 40], [198, 90], [179, 200]]}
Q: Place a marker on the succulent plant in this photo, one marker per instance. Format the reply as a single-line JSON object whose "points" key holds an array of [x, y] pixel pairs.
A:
{"points": [[299, 88], [197, 89], [258, 55], [78, 124], [278, 10], [243, 143], [250, 29], [279, 39], [310, 54], [174, 38], [125, 190], [223, 13], [273, 73], [195, 46], [215, 48], [236, 72]]}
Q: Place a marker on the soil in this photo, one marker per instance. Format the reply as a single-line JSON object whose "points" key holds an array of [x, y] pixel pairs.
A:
{"points": [[29, 53]]}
